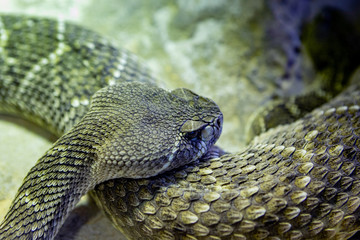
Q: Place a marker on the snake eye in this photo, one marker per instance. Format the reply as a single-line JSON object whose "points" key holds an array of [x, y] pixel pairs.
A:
{"points": [[194, 135]]}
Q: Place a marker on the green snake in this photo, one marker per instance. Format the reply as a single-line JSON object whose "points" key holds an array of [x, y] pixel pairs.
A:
{"points": [[296, 181]]}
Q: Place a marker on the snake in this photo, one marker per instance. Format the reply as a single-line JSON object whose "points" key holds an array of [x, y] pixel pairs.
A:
{"points": [[146, 155], [131, 128]]}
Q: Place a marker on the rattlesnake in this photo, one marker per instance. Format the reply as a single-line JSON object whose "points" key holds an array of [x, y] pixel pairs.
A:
{"points": [[132, 129], [295, 181]]}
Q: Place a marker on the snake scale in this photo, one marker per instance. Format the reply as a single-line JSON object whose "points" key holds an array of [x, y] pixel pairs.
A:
{"points": [[296, 181]]}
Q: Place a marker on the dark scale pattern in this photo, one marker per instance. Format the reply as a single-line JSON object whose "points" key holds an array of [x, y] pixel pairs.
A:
{"points": [[52, 73], [297, 181]]}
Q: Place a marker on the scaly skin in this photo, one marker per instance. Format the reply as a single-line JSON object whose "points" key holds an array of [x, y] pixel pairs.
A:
{"points": [[132, 129], [296, 181]]}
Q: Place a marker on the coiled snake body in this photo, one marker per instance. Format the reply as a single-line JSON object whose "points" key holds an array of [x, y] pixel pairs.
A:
{"points": [[296, 181]]}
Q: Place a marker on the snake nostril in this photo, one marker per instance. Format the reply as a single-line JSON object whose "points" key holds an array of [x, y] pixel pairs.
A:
{"points": [[218, 123]]}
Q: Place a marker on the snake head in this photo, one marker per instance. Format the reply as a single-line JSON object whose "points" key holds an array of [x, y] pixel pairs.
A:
{"points": [[148, 130], [200, 131]]}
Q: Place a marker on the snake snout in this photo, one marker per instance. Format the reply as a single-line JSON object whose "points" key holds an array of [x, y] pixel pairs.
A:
{"points": [[218, 124]]}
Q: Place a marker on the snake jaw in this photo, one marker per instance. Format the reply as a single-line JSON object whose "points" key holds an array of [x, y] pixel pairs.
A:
{"points": [[188, 148]]}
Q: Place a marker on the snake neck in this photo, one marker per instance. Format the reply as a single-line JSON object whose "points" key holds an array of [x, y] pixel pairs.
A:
{"points": [[53, 186], [132, 130]]}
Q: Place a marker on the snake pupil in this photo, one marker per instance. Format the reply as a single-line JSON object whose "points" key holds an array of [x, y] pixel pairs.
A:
{"points": [[193, 136]]}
